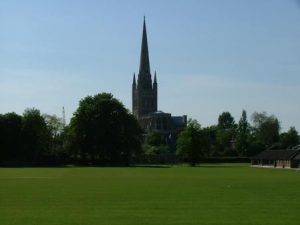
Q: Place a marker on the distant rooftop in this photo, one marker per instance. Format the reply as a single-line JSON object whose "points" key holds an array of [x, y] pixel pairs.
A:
{"points": [[277, 154]]}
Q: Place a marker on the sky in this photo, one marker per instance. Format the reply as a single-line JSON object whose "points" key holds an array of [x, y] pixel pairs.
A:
{"points": [[210, 56]]}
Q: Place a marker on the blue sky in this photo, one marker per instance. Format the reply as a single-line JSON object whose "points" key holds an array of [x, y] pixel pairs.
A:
{"points": [[210, 56]]}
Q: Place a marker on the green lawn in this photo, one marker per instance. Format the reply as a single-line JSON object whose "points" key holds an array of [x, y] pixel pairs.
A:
{"points": [[211, 194]]}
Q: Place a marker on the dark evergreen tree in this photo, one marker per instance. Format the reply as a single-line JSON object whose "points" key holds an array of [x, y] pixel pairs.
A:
{"points": [[243, 135]]}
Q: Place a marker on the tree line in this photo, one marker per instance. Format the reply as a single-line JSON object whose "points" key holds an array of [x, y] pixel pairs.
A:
{"points": [[231, 139], [31, 137], [102, 131]]}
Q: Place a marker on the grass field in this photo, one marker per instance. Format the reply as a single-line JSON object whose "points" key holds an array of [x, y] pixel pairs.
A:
{"points": [[211, 194]]}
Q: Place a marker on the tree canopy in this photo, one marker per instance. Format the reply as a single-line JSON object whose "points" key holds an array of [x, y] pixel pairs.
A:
{"points": [[226, 121], [290, 138], [266, 128], [243, 135], [190, 143], [36, 136], [103, 131], [10, 137], [225, 134]]}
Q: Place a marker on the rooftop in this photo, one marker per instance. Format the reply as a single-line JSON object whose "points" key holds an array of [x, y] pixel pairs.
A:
{"points": [[278, 154]]}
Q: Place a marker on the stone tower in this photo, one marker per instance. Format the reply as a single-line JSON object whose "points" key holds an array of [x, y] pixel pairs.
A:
{"points": [[144, 92]]}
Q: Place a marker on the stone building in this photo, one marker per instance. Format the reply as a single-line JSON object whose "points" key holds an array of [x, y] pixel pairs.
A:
{"points": [[145, 98]]}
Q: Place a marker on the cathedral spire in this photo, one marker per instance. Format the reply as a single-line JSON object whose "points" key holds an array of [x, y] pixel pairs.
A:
{"points": [[144, 92], [155, 81], [134, 82], [144, 60]]}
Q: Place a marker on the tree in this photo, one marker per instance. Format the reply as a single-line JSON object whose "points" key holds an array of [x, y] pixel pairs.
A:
{"points": [[190, 144], [243, 135], [154, 138], [155, 144], [289, 139], [10, 137], [210, 137], [226, 121], [55, 125], [103, 131], [266, 128], [226, 135], [36, 137]]}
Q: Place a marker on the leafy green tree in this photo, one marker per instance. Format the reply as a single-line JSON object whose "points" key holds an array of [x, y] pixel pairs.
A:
{"points": [[157, 150], [243, 135], [36, 137], [226, 135], [210, 138], [104, 131], [190, 144], [289, 139], [57, 151], [154, 138], [226, 121], [54, 123], [266, 128], [155, 144]]}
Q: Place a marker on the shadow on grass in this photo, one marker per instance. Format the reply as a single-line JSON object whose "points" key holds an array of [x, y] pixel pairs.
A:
{"points": [[151, 166], [222, 165], [40, 165], [161, 166]]}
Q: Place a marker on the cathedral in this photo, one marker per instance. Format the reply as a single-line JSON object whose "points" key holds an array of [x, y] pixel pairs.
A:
{"points": [[144, 99]]}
